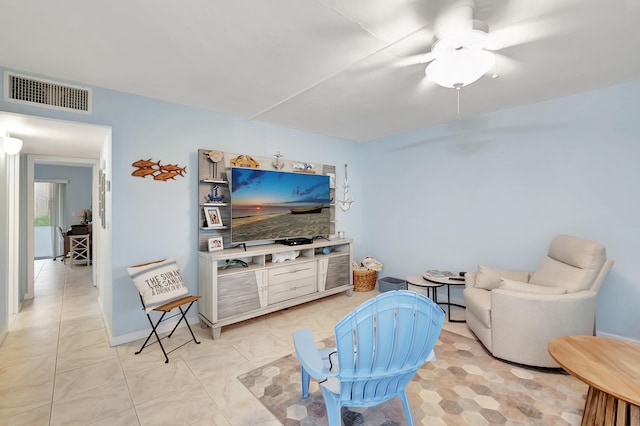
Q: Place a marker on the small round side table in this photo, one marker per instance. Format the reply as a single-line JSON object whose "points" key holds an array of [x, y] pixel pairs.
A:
{"points": [[420, 285], [448, 282]]}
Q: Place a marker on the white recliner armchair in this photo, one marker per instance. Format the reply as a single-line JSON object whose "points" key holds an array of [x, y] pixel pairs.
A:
{"points": [[516, 313]]}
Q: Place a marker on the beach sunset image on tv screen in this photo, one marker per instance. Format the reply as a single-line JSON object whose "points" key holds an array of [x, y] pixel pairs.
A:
{"points": [[269, 205]]}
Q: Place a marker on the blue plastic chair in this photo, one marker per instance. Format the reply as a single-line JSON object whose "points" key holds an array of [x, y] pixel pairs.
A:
{"points": [[380, 347]]}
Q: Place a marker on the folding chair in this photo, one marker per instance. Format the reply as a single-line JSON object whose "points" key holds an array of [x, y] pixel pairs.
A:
{"points": [[162, 290], [165, 309]]}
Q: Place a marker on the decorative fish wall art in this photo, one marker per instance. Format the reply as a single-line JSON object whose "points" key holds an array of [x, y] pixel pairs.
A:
{"points": [[159, 171]]}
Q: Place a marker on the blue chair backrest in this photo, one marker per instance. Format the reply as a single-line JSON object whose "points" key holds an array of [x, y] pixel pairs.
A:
{"points": [[383, 343]]}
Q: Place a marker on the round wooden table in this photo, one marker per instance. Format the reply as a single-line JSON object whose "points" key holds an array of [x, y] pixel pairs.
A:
{"points": [[611, 368]]}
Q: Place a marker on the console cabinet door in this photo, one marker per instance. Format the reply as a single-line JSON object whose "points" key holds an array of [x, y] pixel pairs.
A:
{"points": [[338, 273], [238, 293]]}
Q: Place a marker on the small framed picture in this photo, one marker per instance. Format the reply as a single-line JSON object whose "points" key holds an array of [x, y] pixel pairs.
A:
{"points": [[215, 244], [212, 215]]}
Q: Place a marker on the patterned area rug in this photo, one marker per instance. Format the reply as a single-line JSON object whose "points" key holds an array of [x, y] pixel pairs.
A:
{"points": [[465, 385]]}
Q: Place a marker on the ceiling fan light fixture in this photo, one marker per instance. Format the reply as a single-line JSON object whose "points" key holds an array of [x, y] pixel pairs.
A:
{"points": [[457, 68]]}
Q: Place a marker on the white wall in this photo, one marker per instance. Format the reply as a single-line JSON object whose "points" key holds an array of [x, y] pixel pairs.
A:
{"points": [[496, 189], [103, 239], [4, 248], [9, 241]]}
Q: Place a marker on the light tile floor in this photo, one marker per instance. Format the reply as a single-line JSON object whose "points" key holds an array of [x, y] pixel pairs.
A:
{"points": [[56, 365]]}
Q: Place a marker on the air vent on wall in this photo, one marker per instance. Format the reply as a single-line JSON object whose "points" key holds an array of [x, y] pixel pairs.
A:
{"points": [[45, 93]]}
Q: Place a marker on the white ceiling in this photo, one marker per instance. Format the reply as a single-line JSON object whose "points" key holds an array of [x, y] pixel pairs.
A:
{"points": [[57, 138], [332, 67]]}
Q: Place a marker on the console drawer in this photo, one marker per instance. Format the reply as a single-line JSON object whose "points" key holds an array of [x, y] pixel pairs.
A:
{"points": [[292, 281], [293, 272], [292, 289]]}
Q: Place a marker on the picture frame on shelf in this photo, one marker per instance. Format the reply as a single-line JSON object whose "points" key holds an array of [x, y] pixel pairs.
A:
{"points": [[215, 244], [212, 216]]}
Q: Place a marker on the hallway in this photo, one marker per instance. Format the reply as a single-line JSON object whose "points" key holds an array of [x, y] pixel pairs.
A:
{"points": [[55, 336]]}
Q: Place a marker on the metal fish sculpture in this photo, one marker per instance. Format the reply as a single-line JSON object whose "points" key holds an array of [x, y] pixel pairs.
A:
{"points": [[161, 172]]}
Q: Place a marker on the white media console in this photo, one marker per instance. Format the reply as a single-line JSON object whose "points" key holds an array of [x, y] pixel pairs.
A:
{"points": [[237, 293]]}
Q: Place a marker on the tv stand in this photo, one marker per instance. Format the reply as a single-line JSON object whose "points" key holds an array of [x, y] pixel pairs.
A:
{"points": [[317, 237], [233, 295]]}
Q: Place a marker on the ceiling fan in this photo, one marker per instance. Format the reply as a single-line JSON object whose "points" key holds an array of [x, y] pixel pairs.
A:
{"points": [[462, 51]]}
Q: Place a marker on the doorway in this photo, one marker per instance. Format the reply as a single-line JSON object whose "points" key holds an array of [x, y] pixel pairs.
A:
{"points": [[49, 206], [56, 142], [66, 215]]}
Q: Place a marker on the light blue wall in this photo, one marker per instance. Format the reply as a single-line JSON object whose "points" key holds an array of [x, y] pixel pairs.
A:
{"points": [[496, 189], [153, 219], [78, 190], [493, 190]]}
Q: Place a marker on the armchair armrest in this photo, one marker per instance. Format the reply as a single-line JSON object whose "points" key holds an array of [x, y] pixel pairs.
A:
{"points": [[309, 355], [470, 279], [523, 323]]}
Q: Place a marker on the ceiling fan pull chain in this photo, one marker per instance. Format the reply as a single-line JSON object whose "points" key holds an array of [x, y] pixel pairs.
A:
{"points": [[457, 86]]}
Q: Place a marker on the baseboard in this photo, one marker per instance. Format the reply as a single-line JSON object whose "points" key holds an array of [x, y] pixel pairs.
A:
{"points": [[3, 335], [616, 337], [107, 326], [141, 334]]}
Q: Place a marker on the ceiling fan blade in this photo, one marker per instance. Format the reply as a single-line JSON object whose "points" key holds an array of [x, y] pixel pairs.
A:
{"points": [[428, 57], [423, 58], [542, 20], [516, 35], [455, 18], [504, 66]]}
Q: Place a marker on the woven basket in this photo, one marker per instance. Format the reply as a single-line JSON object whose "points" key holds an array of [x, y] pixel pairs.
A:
{"points": [[364, 280]]}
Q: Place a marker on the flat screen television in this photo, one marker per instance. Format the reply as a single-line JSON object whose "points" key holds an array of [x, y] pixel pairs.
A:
{"points": [[272, 205]]}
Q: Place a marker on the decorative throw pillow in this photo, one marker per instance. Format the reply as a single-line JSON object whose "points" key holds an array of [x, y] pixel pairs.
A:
{"points": [[553, 273], [489, 278], [530, 288], [158, 282]]}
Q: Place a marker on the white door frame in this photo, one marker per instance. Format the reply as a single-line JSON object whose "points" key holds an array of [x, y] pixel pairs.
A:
{"points": [[13, 233]]}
